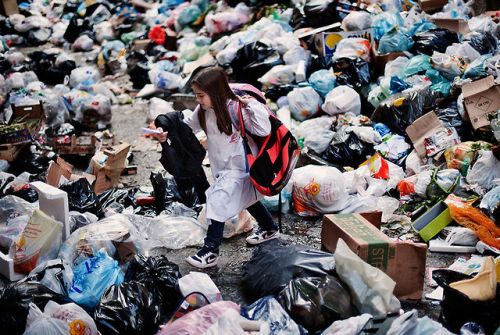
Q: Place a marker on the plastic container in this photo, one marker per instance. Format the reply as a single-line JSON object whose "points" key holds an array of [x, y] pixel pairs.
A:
{"points": [[433, 221]]}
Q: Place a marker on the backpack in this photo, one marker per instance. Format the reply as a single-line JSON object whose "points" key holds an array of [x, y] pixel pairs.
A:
{"points": [[271, 169]]}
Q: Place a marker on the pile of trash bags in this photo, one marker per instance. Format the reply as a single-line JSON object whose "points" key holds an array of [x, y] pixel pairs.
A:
{"points": [[395, 105]]}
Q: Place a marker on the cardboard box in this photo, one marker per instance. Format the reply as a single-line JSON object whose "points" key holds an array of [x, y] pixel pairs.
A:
{"points": [[138, 45], [59, 172], [10, 152], [403, 262], [432, 221], [460, 26], [481, 98], [9, 7], [380, 60], [325, 42], [423, 127], [432, 5], [34, 119]]}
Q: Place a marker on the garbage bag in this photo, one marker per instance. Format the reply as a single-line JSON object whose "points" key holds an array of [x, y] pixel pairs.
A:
{"points": [[352, 47], [352, 71], [382, 22], [483, 41], [59, 319], [358, 20], [160, 276], [76, 27], [394, 41], [55, 274], [342, 99], [323, 81], [166, 192], [253, 60], [304, 103], [319, 13], [199, 282], [122, 196], [139, 75], [352, 326], [275, 263], [15, 300], [92, 278], [426, 42], [491, 201], [82, 198], [14, 215], [447, 112], [315, 302], [485, 170], [128, 308], [349, 152], [402, 109], [270, 312], [458, 309]]}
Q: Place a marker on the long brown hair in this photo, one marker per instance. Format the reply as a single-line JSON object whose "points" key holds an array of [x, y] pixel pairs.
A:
{"points": [[213, 81]]}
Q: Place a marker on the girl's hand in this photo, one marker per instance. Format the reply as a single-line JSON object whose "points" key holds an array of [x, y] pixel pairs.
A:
{"points": [[246, 99], [163, 136]]}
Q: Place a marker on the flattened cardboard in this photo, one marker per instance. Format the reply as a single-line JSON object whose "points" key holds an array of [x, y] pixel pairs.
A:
{"points": [[423, 127], [403, 262], [380, 60], [59, 168], [9, 7], [481, 98], [460, 26], [326, 42], [432, 5]]}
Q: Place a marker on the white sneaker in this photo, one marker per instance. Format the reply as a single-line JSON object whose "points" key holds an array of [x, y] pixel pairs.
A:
{"points": [[261, 236], [203, 259]]}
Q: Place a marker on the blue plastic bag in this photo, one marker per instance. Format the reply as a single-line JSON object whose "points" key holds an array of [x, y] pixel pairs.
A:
{"points": [[422, 25], [383, 22], [393, 41], [476, 68], [323, 81], [419, 63], [92, 277]]}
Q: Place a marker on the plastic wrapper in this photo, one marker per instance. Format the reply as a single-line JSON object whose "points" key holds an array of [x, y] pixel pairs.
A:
{"points": [[128, 308], [402, 109], [82, 198], [116, 234], [14, 215], [458, 309], [198, 321], [484, 171], [483, 41], [39, 241], [54, 274], [199, 282], [463, 155], [270, 312], [356, 21], [15, 302], [323, 81], [449, 66], [316, 302], [304, 103], [464, 50], [352, 47], [92, 278], [160, 276], [59, 320], [274, 264], [470, 217], [352, 71], [175, 232], [342, 99], [317, 190], [371, 289], [429, 41], [279, 75]]}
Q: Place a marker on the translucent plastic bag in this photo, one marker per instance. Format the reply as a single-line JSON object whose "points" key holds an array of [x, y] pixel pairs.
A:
{"points": [[491, 200], [279, 75], [394, 41], [342, 99], [304, 103], [164, 79], [356, 20], [371, 289], [39, 241], [381, 23], [449, 66], [318, 189], [352, 47], [95, 112], [199, 282], [350, 326], [175, 232], [319, 141], [484, 171], [14, 215], [295, 55], [323, 81], [59, 319], [82, 43], [54, 274], [87, 74], [93, 277]]}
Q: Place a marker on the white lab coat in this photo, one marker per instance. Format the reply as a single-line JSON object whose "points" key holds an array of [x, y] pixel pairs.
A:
{"points": [[232, 190]]}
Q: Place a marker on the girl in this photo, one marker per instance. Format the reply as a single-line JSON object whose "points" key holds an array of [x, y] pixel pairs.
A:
{"points": [[232, 190]]}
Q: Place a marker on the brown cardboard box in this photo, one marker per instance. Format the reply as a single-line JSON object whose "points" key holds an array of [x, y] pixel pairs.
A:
{"points": [[460, 26], [432, 5], [10, 152], [380, 60], [403, 262], [59, 168], [423, 127], [9, 7], [481, 98]]}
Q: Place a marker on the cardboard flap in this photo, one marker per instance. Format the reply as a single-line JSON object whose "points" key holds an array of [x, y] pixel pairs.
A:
{"points": [[477, 86], [423, 127]]}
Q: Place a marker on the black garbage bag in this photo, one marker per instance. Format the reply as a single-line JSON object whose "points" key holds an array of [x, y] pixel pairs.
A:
{"points": [[166, 192], [457, 308], [316, 302], [4, 65], [6, 27], [319, 63], [401, 109], [275, 92], [350, 152], [438, 39], [253, 60], [82, 198], [15, 300], [122, 196], [160, 276], [76, 27], [319, 13], [27, 194], [298, 20], [139, 75], [128, 308], [4, 184], [39, 36], [275, 263], [447, 112], [29, 162], [352, 71], [483, 41]]}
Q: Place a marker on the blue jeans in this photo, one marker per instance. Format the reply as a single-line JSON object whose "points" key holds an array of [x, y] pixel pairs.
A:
{"points": [[216, 228]]}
